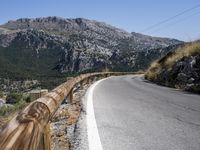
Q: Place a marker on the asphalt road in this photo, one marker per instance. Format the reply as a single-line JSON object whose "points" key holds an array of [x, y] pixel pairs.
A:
{"points": [[133, 114]]}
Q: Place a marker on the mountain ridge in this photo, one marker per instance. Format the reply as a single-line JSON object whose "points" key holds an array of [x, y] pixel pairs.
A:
{"points": [[76, 45]]}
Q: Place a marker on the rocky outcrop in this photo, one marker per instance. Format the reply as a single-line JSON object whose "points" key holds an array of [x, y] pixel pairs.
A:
{"points": [[180, 69], [185, 73], [2, 103]]}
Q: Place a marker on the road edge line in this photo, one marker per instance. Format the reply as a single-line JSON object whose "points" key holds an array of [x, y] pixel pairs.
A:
{"points": [[94, 142]]}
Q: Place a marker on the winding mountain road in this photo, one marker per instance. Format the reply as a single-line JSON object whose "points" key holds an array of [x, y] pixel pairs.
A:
{"points": [[134, 114]]}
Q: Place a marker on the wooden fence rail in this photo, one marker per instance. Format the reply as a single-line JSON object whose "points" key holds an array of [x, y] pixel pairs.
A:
{"points": [[25, 130]]}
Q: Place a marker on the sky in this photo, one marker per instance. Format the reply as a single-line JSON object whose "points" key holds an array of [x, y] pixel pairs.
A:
{"points": [[130, 15]]}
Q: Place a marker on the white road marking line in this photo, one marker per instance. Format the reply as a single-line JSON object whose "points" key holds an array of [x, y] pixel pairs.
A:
{"points": [[94, 141]]}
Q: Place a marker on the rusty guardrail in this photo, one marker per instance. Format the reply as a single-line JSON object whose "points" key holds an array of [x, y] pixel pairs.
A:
{"points": [[29, 128]]}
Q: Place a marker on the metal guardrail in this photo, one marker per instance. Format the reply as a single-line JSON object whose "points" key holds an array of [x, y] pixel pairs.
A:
{"points": [[29, 130]]}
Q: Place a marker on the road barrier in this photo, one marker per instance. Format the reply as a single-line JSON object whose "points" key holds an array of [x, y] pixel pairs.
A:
{"points": [[30, 129]]}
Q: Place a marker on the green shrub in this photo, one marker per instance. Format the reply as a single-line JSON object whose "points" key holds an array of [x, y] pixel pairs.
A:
{"points": [[17, 100], [7, 110], [1, 94], [26, 98], [195, 89], [13, 98]]}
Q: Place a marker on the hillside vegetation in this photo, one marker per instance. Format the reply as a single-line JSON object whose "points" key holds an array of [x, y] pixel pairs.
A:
{"points": [[180, 68]]}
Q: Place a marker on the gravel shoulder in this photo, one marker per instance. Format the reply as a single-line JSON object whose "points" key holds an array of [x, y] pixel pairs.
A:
{"points": [[68, 127]]}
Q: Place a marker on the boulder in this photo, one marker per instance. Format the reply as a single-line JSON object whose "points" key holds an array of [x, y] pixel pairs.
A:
{"points": [[2, 102]]}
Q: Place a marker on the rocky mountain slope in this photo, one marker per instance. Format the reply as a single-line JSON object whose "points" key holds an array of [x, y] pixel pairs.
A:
{"points": [[179, 68], [52, 45]]}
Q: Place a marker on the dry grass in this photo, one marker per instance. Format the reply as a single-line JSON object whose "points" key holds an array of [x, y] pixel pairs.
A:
{"points": [[140, 72], [188, 49], [151, 73], [168, 61]]}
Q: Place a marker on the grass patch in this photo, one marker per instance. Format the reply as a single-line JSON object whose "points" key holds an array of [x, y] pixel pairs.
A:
{"points": [[152, 72], [167, 62], [166, 71], [188, 49]]}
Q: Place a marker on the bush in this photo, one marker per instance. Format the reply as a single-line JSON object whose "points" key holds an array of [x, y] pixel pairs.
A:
{"points": [[7, 110], [26, 98], [15, 102], [1, 94], [13, 98], [195, 89]]}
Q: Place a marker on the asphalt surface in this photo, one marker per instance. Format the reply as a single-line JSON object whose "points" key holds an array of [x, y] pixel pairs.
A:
{"points": [[133, 114]]}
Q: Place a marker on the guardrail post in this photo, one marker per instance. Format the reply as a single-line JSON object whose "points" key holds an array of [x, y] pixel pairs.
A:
{"points": [[81, 85], [95, 78], [88, 80], [45, 142], [70, 96], [47, 137], [101, 77], [91, 79]]}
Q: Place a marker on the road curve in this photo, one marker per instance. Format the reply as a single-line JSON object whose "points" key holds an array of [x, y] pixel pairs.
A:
{"points": [[133, 114]]}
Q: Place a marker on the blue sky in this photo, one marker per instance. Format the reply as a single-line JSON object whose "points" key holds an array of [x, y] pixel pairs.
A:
{"points": [[131, 15]]}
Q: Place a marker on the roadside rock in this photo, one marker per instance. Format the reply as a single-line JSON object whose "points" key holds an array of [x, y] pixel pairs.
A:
{"points": [[184, 74], [182, 77], [2, 102]]}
